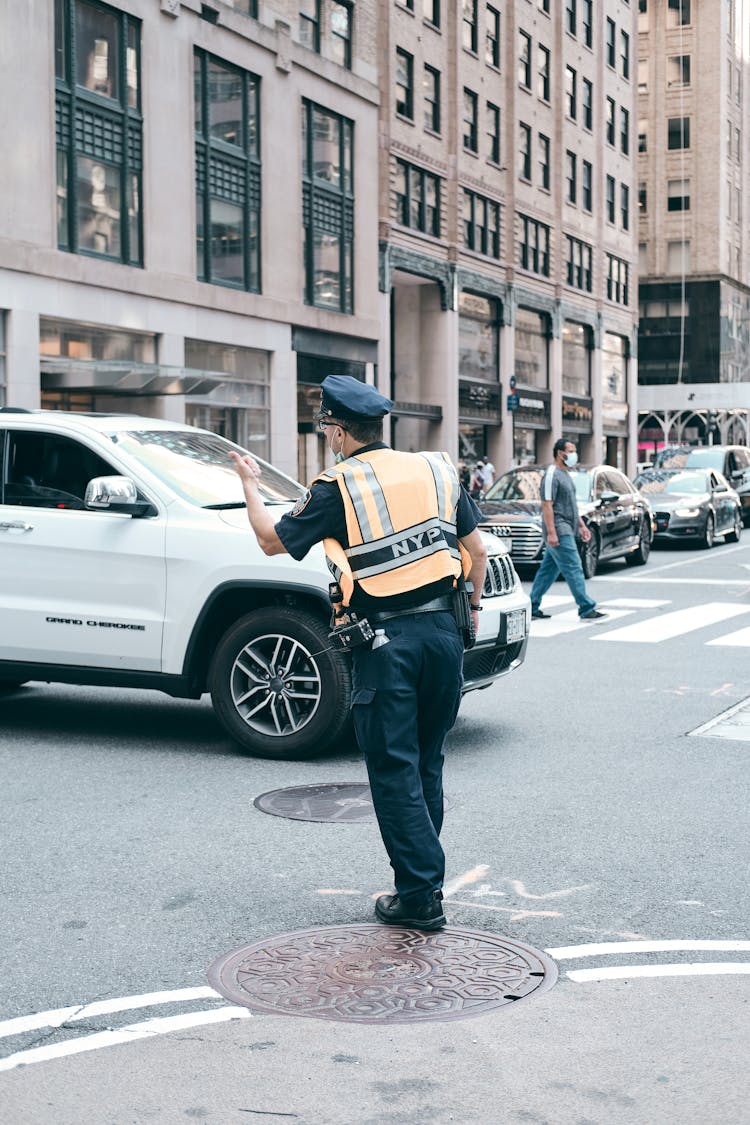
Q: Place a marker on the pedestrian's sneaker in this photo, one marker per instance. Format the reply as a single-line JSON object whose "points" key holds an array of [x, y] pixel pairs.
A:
{"points": [[422, 913], [539, 615], [595, 615]]}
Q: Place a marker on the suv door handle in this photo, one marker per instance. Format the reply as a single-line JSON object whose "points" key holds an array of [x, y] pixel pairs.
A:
{"points": [[19, 525]]}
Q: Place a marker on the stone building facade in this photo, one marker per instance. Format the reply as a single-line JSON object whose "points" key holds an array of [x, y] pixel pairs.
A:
{"points": [[694, 206]]}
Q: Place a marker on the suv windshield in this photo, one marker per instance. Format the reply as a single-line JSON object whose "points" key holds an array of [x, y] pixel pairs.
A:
{"points": [[521, 485], [198, 468], [706, 458], [693, 483]]}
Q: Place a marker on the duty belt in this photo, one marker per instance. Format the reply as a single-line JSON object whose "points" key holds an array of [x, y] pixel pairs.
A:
{"points": [[437, 605]]}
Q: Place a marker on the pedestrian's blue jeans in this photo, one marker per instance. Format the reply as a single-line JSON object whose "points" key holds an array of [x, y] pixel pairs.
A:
{"points": [[563, 559]]}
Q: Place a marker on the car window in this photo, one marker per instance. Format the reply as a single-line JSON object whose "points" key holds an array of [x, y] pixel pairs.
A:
{"points": [[693, 483], [601, 485], [619, 483], [742, 457], [45, 470], [705, 459], [582, 482]]}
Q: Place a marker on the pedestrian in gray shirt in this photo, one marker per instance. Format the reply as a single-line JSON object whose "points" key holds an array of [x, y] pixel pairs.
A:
{"points": [[561, 526]]}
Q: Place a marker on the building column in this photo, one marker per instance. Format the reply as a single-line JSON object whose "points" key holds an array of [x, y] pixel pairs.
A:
{"points": [[632, 396], [283, 421], [439, 364], [546, 440], [171, 354], [503, 453], [597, 393], [382, 378], [22, 359]]}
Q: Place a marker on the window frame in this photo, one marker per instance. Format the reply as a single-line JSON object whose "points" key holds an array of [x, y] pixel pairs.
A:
{"points": [[405, 108], [329, 199]]}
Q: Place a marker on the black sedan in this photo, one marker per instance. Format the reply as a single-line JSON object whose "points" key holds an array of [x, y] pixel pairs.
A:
{"points": [[692, 504], [619, 517]]}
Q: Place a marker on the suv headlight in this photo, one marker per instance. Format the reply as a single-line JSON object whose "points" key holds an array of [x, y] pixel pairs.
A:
{"points": [[687, 513]]}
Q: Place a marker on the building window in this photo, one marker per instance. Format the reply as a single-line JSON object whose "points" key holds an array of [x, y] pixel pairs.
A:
{"points": [[544, 6], [418, 198], [544, 149], [625, 53], [586, 185], [610, 199], [471, 133], [625, 206], [524, 60], [617, 280], [624, 130], [408, 4], [341, 33], [431, 11], [571, 92], [570, 16], [611, 111], [98, 128], [678, 71], [611, 50], [643, 135], [678, 132], [227, 173], [587, 101], [571, 178], [525, 150], [493, 133], [240, 408], [492, 40], [481, 224], [587, 22], [431, 90], [309, 24], [642, 76], [404, 84], [328, 208], [534, 246], [642, 199], [678, 257], [678, 13], [678, 195], [469, 25], [576, 349], [543, 73], [578, 264]]}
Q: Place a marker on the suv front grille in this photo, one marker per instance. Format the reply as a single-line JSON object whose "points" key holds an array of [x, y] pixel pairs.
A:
{"points": [[526, 539], [500, 578]]}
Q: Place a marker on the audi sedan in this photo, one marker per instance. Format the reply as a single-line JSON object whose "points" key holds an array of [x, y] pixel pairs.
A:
{"points": [[692, 504], [618, 516]]}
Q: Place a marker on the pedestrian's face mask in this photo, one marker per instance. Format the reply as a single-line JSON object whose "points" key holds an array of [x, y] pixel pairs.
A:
{"points": [[571, 459]]}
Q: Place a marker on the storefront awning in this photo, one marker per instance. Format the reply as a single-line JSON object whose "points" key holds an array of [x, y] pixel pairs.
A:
{"points": [[121, 377]]}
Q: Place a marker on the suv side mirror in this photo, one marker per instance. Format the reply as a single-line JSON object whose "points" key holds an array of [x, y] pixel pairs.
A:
{"points": [[115, 494]]}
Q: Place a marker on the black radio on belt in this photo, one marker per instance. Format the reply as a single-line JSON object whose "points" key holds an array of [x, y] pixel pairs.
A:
{"points": [[347, 630]]}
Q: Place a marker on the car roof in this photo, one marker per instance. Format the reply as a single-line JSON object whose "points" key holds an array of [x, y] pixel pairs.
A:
{"points": [[101, 423]]}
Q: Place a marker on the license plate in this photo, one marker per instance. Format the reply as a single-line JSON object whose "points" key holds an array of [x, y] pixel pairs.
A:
{"points": [[515, 625]]}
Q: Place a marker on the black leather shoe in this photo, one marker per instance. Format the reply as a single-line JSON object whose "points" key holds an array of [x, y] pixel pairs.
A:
{"points": [[595, 615], [421, 914], [539, 616]]}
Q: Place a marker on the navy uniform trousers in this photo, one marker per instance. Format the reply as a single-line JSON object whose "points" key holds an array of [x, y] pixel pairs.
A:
{"points": [[406, 695]]}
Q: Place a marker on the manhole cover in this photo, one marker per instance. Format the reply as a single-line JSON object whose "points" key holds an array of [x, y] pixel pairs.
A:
{"points": [[382, 974], [336, 801]]}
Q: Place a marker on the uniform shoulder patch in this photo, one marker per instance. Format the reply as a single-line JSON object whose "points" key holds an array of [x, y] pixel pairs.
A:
{"points": [[302, 503]]}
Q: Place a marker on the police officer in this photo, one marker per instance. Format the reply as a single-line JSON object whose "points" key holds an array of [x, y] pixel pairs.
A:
{"points": [[398, 531]]}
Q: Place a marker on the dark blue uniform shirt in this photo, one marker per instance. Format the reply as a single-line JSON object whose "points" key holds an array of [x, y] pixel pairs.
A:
{"points": [[322, 516]]}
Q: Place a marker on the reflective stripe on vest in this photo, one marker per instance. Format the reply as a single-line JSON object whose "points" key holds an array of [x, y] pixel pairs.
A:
{"points": [[400, 513]]}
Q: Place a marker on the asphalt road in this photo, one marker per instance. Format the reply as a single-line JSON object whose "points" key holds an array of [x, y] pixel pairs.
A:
{"points": [[584, 818]]}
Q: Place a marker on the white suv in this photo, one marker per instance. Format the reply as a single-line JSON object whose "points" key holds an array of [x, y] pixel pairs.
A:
{"points": [[127, 560]]}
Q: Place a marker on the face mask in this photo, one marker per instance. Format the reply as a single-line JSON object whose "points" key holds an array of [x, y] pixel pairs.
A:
{"points": [[337, 457], [571, 459]]}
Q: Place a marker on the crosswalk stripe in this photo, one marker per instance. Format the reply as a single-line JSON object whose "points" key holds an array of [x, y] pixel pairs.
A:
{"points": [[670, 625], [635, 603], [740, 639], [569, 622]]}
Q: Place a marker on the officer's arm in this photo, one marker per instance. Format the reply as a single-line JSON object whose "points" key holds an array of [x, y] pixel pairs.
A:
{"points": [[478, 553], [261, 521]]}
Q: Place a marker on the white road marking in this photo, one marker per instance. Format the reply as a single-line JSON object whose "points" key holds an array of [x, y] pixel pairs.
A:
{"points": [[602, 948], [130, 1034], [569, 622], [740, 639], [619, 972], [670, 625], [694, 559], [635, 603], [734, 723], [554, 600], [679, 581], [55, 1017]]}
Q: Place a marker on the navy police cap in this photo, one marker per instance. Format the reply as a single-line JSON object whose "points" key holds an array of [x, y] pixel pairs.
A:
{"points": [[348, 400]]}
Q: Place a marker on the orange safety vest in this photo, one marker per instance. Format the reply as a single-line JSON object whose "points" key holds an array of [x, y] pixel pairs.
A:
{"points": [[400, 513]]}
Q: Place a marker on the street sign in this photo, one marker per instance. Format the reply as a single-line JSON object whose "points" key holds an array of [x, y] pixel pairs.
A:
{"points": [[512, 382], [513, 402]]}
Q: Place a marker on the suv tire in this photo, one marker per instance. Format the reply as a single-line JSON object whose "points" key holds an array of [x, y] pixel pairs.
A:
{"points": [[277, 686]]}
